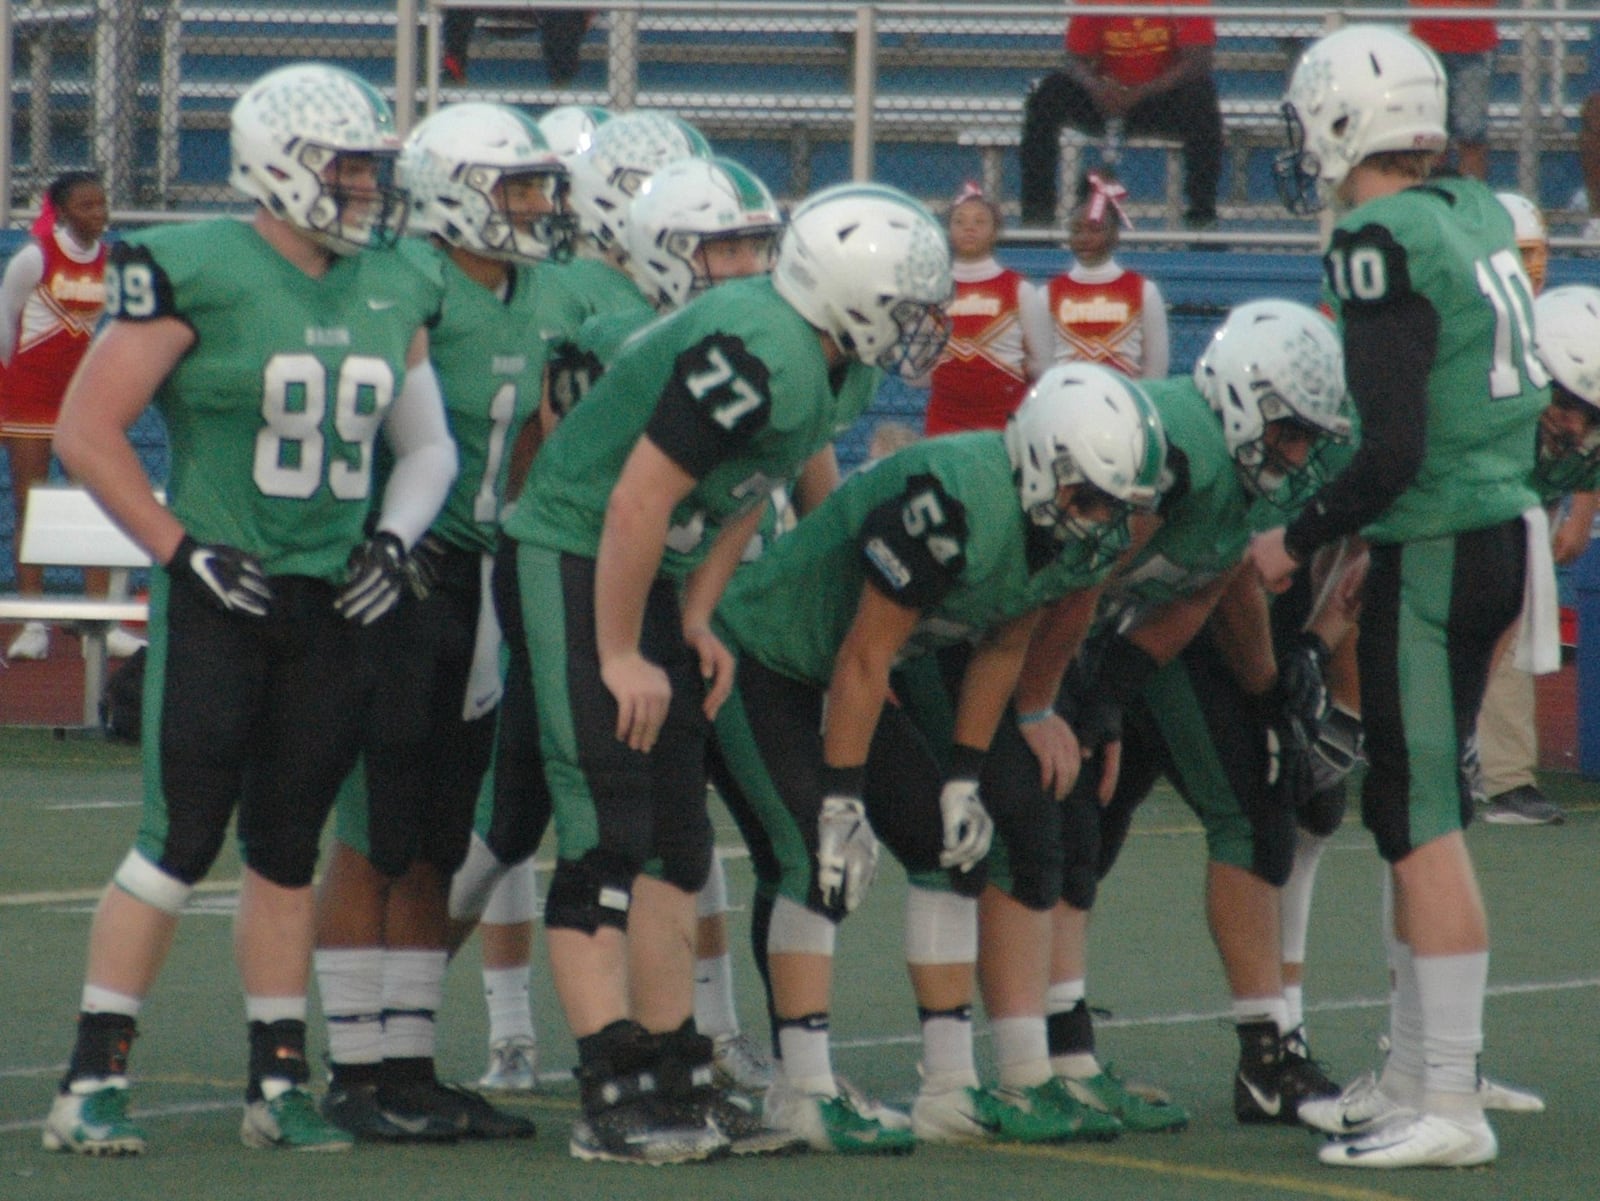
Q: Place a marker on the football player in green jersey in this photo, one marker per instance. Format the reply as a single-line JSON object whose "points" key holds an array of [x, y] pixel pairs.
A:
{"points": [[950, 540], [487, 194], [1267, 390], [1435, 311], [275, 350], [637, 511], [700, 222]]}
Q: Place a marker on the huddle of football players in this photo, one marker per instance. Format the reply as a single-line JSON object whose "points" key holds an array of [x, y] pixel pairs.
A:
{"points": [[562, 588]]}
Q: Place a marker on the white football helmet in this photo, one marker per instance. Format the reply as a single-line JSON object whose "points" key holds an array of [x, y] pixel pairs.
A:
{"points": [[288, 131], [1354, 93], [868, 265], [452, 166], [1272, 360], [683, 205], [625, 152], [1533, 238], [1082, 423], [569, 128], [1566, 324]]}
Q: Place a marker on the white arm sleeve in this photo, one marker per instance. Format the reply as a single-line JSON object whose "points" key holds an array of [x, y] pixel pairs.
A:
{"points": [[1157, 346], [1038, 334], [424, 457], [22, 276]]}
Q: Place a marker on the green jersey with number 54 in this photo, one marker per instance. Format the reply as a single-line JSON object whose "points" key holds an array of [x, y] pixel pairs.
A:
{"points": [[272, 414], [936, 527], [491, 371], [733, 388], [1450, 242]]}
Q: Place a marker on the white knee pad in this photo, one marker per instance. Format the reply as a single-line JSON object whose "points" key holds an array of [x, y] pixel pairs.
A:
{"points": [[941, 927], [474, 881], [514, 898], [712, 900], [796, 930], [144, 881]]}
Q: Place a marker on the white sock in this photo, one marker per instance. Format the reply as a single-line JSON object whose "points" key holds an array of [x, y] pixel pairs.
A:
{"points": [[104, 1000], [807, 1061], [1451, 989], [413, 984], [274, 1009], [1262, 1009], [1402, 1070], [509, 1001], [713, 996], [947, 1047], [1294, 899], [350, 981], [1294, 1003], [1021, 1051]]}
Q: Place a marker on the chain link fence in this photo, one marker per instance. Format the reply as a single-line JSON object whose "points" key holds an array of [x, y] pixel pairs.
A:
{"points": [[920, 94]]}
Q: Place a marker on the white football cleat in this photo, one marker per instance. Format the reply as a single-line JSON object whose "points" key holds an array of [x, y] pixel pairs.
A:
{"points": [[1425, 1140], [1362, 1107]]}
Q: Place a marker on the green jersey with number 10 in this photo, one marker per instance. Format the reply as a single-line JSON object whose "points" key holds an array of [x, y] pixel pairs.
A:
{"points": [[272, 414], [1450, 242]]}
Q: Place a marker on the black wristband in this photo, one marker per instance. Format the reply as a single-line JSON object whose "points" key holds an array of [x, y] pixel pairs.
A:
{"points": [[966, 762], [842, 781]]}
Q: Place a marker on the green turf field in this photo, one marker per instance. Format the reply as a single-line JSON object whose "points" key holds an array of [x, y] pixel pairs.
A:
{"points": [[67, 812]]}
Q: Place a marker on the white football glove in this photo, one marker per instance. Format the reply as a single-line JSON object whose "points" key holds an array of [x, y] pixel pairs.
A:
{"points": [[968, 828], [847, 852]]}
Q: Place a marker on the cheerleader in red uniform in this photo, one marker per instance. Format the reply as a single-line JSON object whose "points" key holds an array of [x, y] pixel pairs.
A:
{"points": [[51, 298], [1099, 311], [998, 327]]}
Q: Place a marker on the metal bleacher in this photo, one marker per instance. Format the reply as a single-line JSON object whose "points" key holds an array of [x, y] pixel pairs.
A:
{"points": [[777, 84]]}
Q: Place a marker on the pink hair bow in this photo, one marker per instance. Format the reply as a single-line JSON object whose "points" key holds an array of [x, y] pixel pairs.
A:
{"points": [[1105, 191]]}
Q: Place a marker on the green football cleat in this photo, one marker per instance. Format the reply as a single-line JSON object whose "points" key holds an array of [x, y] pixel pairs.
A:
{"points": [[1137, 1110], [92, 1119], [838, 1124], [968, 1114], [291, 1121]]}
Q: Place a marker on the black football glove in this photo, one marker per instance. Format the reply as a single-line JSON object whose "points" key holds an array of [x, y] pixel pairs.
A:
{"points": [[374, 578], [1288, 750], [1302, 677], [425, 565], [226, 576]]}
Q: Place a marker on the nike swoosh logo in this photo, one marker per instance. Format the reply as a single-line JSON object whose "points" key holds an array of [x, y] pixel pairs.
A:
{"points": [[1270, 1103], [378, 306]]}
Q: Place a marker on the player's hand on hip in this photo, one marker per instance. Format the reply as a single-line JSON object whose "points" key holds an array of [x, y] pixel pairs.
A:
{"points": [[643, 694], [230, 579]]}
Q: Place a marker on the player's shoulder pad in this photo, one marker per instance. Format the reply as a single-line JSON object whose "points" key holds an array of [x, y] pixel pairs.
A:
{"points": [[915, 541], [137, 286], [1369, 264], [729, 386]]}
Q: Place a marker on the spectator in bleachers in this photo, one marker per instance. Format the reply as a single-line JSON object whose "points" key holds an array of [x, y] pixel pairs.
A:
{"points": [[1153, 75], [1099, 311], [1466, 48], [999, 329], [561, 33]]}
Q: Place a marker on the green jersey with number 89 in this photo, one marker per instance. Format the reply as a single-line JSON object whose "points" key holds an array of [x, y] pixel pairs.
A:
{"points": [[1450, 242], [272, 414], [733, 388]]}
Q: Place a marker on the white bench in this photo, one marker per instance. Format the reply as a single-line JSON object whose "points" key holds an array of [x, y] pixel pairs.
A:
{"points": [[66, 528]]}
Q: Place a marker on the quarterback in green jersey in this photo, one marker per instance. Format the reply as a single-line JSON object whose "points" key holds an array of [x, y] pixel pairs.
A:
{"points": [[1435, 311], [486, 194], [955, 539], [638, 508], [275, 350]]}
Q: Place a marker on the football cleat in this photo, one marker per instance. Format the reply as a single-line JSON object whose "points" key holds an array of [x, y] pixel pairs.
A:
{"points": [[513, 1066], [461, 1108], [355, 1109], [962, 1113], [290, 1120], [1362, 1107], [1136, 1108], [744, 1128], [639, 1131], [840, 1123], [739, 1063], [1425, 1140], [91, 1118]]}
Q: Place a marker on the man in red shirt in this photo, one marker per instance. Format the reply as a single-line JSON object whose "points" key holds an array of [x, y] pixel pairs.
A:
{"points": [[1466, 49], [1152, 74]]}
